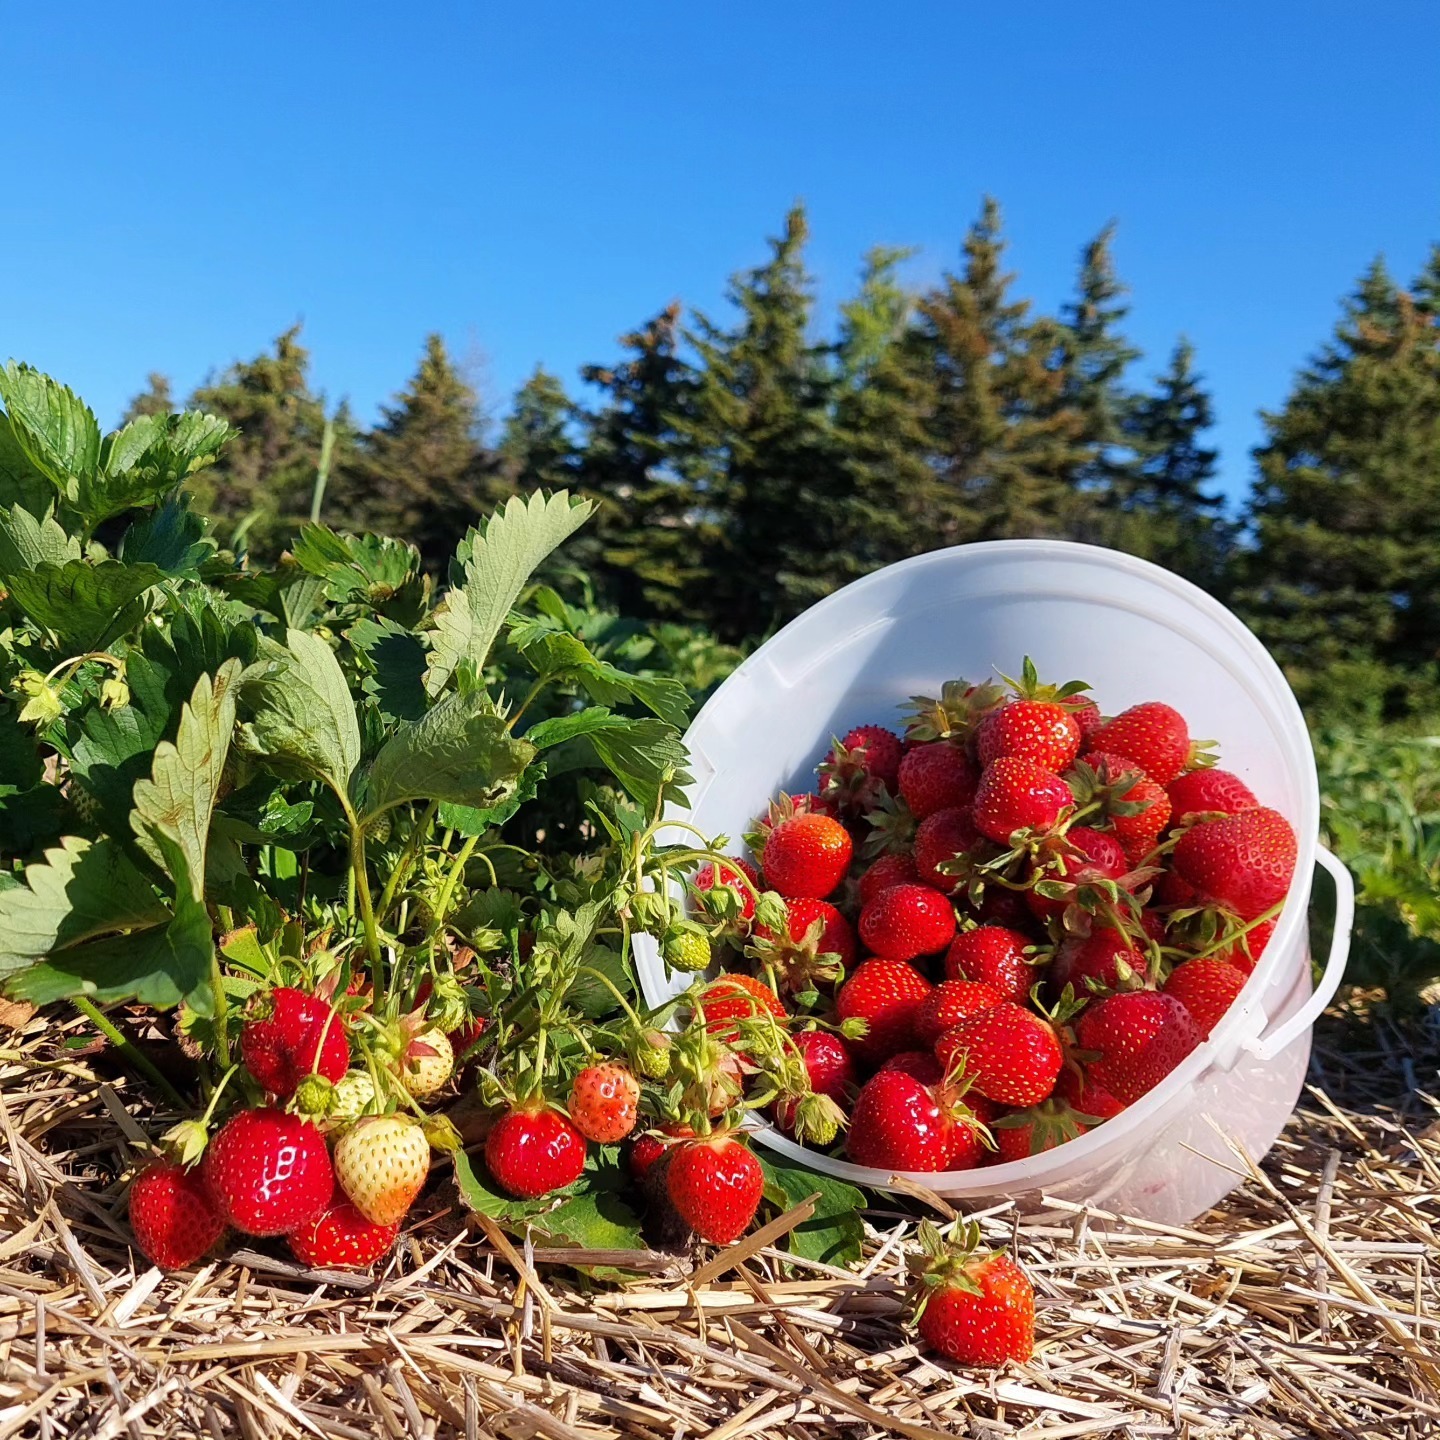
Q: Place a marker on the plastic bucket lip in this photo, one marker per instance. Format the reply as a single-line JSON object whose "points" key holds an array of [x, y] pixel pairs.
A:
{"points": [[1244, 1021]]}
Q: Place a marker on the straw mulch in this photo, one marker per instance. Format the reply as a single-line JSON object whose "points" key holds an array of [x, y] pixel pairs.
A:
{"points": [[1305, 1305]]}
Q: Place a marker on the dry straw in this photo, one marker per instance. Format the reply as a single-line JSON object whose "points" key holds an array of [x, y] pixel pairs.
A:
{"points": [[1305, 1305]]}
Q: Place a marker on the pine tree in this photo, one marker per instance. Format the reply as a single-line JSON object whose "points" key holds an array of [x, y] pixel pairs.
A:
{"points": [[154, 399], [422, 473], [1344, 581], [264, 477], [537, 447]]}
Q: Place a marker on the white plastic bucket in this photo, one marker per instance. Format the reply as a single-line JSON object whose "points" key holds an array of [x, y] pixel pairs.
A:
{"points": [[1135, 632]]}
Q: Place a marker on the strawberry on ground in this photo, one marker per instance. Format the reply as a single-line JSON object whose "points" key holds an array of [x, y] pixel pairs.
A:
{"points": [[830, 1067], [895, 868], [340, 1237], [1214, 792], [1018, 795], [1207, 989], [174, 1218], [287, 1035], [1154, 735], [806, 856], [994, 955], [887, 995], [1137, 1038], [532, 1150], [1010, 1054], [605, 1102], [936, 776], [715, 1183], [977, 1308], [942, 837], [381, 1163], [1243, 863], [268, 1172], [900, 1123], [949, 1003], [907, 921]]}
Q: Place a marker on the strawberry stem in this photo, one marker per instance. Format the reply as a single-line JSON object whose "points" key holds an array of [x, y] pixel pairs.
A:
{"points": [[127, 1047]]}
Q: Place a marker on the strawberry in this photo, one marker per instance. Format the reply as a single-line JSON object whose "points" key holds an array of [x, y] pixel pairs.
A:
{"points": [[906, 921], [1244, 863], [1041, 1127], [686, 947], [605, 1102], [920, 1065], [1087, 717], [715, 1183], [1208, 792], [1139, 808], [859, 768], [1078, 1089], [465, 1036], [381, 1163], [879, 750], [1011, 1055], [994, 955], [1088, 856], [895, 868], [1018, 795], [936, 776], [428, 1064], [1044, 732], [949, 1003], [341, 1238], [901, 1123], [807, 856], [728, 877], [819, 946], [941, 837], [1207, 989], [647, 1148], [976, 1307], [1137, 1037], [737, 997], [1095, 962], [533, 1150], [287, 1035], [830, 1067], [268, 1172], [1154, 736], [173, 1216], [887, 995], [1245, 950]]}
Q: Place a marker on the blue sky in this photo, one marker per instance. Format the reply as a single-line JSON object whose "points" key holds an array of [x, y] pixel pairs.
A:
{"points": [[183, 181]]}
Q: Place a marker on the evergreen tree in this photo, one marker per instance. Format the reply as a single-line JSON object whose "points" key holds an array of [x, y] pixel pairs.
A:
{"points": [[422, 474], [1344, 581], [265, 476], [536, 446], [154, 399]]}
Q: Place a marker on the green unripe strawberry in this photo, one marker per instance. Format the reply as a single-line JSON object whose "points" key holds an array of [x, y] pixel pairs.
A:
{"points": [[687, 947]]}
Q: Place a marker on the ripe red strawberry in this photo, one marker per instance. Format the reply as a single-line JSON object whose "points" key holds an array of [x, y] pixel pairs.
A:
{"points": [[647, 1148], [1087, 717], [1079, 1090], [906, 921], [708, 876], [994, 955], [1096, 855], [1017, 794], [807, 856], [734, 996], [1031, 1132], [919, 1065], [1093, 963], [1138, 1037], [1138, 831], [895, 868], [715, 1183], [1246, 950], [1207, 989], [173, 1216], [951, 1002], [935, 776], [939, 838], [340, 1237], [880, 750], [532, 1150], [1044, 732], [1173, 893], [1011, 1055], [1154, 736], [860, 768], [816, 929], [1200, 792], [978, 1309], [287, 1035], [830, 1067], [605, 1102], [1243, 863], [268, 1172], [900, 1123], [887, 995]]}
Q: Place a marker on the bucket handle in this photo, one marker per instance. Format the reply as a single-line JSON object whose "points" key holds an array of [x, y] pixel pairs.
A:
{"points": [[1271, 1044]]}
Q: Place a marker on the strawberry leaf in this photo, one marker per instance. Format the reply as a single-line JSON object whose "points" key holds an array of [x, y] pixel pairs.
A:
{"points": [[57, 432], [565, 655], [21, 483], [171, 538], [468, 820], [834, 1234], [396, 681], [84, 605], [26, 542]]}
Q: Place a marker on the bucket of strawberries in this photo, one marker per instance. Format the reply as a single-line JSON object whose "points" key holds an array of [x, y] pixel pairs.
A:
{"points": [[1021, 844]]}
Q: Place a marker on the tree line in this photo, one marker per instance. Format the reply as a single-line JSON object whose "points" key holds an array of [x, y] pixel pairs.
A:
{"points": [[744, 466]]}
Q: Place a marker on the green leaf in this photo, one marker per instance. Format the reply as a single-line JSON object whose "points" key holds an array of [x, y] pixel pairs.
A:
{"points": [[495, 564], [560, 728], [644, 757], [179, 797], [834, 1234], [397, 681], [460, 753], [560, 654], [78, 891], [301, 718], [55, 429], [20, 482], [28, 540], [479, 1192], [171, 538], [470, 820], [81, 603]]}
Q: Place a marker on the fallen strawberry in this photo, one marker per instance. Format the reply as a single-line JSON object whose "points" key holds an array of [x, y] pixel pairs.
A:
{"points": [[975, 1307]]}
